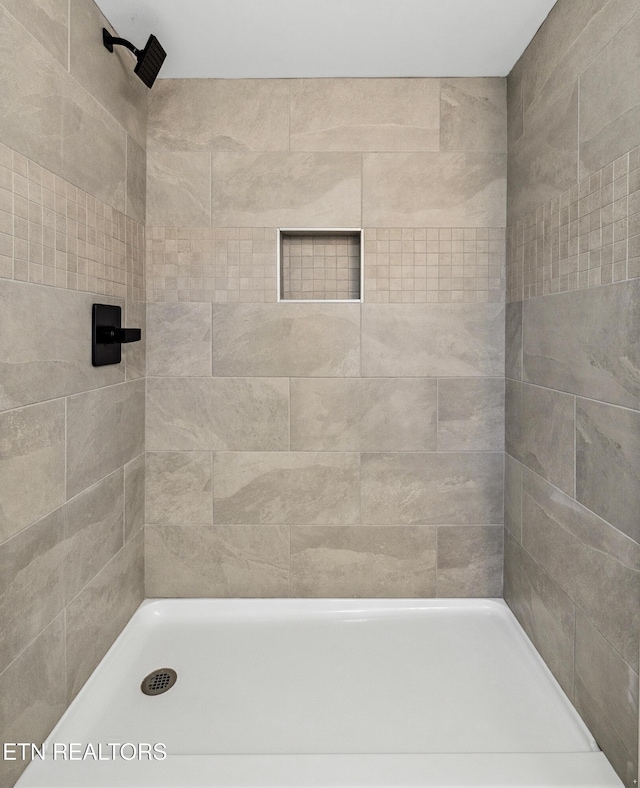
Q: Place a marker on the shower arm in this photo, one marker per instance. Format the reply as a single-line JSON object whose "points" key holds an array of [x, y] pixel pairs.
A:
{"points": [[110, 41]]}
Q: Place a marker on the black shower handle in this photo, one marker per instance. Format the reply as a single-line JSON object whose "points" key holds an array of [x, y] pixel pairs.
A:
{"points": [[108, 335]]}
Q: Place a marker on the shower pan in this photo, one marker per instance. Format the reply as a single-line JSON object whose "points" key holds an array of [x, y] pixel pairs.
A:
{"points": [[292, 693]]}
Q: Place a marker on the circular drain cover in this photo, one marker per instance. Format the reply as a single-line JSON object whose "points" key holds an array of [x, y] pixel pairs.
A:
{"points": [[159, 681]]}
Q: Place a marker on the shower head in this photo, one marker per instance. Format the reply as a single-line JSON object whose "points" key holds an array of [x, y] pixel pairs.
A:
{"points": [[150, 59]]}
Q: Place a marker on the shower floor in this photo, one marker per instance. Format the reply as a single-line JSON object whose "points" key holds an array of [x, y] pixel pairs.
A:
{"points": [[288, 693]]}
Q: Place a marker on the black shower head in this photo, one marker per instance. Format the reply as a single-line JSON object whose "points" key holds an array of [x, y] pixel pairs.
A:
{"points": [[150, 59]]}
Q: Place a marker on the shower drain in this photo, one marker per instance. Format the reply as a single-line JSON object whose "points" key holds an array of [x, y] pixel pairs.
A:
{"points": [[159, 681]]}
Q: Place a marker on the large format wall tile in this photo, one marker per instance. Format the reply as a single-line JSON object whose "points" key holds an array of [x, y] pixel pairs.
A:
{"points": [[217, 561], [178, 189], [105, 429], [434, 189], [471, 414], [179, 337], [595, 564], [250, 414], [609, 102], [179, 487], [135, 353], [30, 107], [32, 461], [540, 432], [440, 340], [47, 21], [608, 463], [274, 340], [106, 76], [470, 561], [136, 203], [473, 115], [369, 561], [286, 190], [134, 496], [32, 583], [607, 696], [585, 342], [543, 609], [365, 114], [94, 531], [286, 488], [94, 147], [432, 488], [34, 694], [37, 362], [99, 613], [219, 115], [513, 496], [544, 161], [375, 414], [513, 340]]}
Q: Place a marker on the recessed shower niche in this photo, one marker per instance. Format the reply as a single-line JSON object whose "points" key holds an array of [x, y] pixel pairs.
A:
{"points": [[320, 265]]}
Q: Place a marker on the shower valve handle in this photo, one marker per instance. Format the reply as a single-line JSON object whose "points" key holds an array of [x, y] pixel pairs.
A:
{"points": [[108, 335]]}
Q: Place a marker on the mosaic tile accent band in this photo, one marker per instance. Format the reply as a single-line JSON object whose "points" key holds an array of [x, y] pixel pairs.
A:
{"points": [[586, 237], [55, 234], [401, 265], [320, 266]]}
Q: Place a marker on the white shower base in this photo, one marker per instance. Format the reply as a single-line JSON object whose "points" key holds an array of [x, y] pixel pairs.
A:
{"points": [[327, 693]]}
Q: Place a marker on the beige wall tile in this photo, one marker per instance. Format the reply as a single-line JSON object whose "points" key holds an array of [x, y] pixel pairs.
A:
{"points": [[179, 339], [540, 432], [285, 190], [136, 204], [513, 340], [94, 531], [433, 488], [286, 488], [473, 115], [470, 561], [595, 564], [32, 583], [608, 463], [369, 561], [443, 340], [30, 105], [583, 342], [250, 414], [609, 102], [178, 188], [179, 487], [513, 497], [387, 414], [544, 610], [471, 414], [274, 340], [365, 114], [219, 115], [434, 189], [607, 689], [47, 21], [94, 147], [134, 495], [135, 353], [217, 561], [544, 161], [107, 76], [99, 613], [37, 362], [105, 429], [31, 464], [34, 694]]}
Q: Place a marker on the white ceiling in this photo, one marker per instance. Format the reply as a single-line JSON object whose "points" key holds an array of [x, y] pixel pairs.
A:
{"points": [[332, 38]]}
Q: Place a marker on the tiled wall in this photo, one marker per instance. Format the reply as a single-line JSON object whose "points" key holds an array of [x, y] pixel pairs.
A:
{"points": [[336, 449], [572, 492], [72, 208]]}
